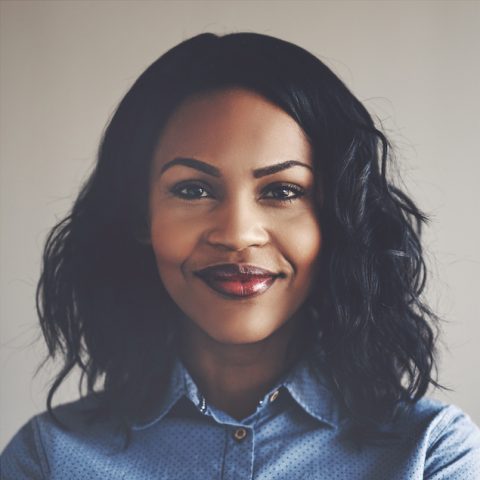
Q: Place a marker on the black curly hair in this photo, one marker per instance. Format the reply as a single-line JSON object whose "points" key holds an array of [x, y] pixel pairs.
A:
{"points": [[100, 299]]}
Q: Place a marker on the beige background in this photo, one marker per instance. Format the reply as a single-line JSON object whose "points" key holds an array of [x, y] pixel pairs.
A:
{"points": [[66, 64]]}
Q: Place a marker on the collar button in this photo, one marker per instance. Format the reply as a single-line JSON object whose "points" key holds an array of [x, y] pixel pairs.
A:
{"points": [[239, 434]]}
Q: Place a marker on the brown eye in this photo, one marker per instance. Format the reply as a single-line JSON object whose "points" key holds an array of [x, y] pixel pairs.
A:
{"points": [[284, 192], [191, 191]]}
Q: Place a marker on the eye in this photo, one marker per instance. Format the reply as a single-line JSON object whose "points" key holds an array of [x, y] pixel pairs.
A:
{"points": [[191, 191], [283, 192]]}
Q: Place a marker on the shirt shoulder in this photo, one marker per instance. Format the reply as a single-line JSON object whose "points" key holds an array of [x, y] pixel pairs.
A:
{"points": [[42, 442], [449, 439], [23, 457]]}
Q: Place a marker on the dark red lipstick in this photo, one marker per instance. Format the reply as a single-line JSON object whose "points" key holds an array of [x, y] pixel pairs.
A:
{"points": [[237, 280]]}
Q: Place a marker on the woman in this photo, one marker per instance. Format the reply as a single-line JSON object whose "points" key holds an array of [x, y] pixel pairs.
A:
{"points": [[240, 283]]}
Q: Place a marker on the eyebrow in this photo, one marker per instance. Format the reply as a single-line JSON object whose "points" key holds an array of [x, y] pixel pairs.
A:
{"points": [[215, 172]]}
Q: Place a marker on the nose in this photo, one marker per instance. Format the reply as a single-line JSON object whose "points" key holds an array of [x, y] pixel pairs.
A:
{"points": [[236, 225]]}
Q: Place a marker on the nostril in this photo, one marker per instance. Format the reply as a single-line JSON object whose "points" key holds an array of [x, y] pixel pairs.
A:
{"points": [[237, 238]]}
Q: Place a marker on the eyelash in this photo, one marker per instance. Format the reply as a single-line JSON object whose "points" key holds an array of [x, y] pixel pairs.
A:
{"points": [[297, 191]]}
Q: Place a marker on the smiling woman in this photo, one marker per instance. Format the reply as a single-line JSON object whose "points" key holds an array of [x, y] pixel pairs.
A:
{"points": [[240, 208], [240, 283], [235, 235]]}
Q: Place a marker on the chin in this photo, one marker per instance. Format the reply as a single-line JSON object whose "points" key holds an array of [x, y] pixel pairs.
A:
{"points": [[242, 332], [232, 338]]}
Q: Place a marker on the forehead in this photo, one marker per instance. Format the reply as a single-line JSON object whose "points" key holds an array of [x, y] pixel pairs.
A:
{"points": [[232, 127]]}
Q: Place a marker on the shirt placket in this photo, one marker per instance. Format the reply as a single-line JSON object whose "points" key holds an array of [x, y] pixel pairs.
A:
{"points": [[239, 451]]}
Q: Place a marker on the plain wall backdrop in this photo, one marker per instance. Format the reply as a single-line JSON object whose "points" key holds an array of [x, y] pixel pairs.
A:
{"points": [[66, 64]]}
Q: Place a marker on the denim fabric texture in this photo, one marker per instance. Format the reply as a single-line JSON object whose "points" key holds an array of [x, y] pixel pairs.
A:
{"points": [[296, 432]]}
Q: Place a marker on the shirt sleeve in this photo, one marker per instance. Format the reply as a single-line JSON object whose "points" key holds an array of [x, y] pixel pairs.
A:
{"points": [[23, 457], [454, 453]]}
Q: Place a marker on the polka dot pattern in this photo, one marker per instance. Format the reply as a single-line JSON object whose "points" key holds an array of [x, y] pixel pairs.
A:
{"points": [[296, 432]]}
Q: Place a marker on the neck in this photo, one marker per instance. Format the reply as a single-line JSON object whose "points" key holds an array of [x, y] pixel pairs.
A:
{"points": [[234, 378]]}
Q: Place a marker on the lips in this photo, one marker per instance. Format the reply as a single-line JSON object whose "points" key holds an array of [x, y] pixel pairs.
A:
{"points": [[238, 280]]}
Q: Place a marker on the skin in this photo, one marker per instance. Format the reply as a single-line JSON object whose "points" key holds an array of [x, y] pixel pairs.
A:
{"points": [[234, 349]]}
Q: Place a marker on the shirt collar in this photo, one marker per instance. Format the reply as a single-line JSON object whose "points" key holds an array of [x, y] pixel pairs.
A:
{"points": [[305, 383], [176, 389], [308, 386]]}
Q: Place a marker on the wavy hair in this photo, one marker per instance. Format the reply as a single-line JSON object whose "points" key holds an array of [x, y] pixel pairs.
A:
{"points": [[100, 300]]}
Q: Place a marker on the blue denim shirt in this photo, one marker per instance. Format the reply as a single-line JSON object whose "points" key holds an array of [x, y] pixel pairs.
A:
{"points": [[295, 433]]}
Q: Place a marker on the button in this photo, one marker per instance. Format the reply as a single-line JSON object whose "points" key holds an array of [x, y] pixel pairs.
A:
{"points": [[239, 434], [274, 395]]}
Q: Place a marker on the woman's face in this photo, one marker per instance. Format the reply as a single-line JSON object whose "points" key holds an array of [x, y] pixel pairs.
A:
{"points": [[232, 188]]}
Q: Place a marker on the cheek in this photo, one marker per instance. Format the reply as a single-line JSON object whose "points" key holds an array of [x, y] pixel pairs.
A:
{"points": [[172, 239], [301, 239], [175, 236]]}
